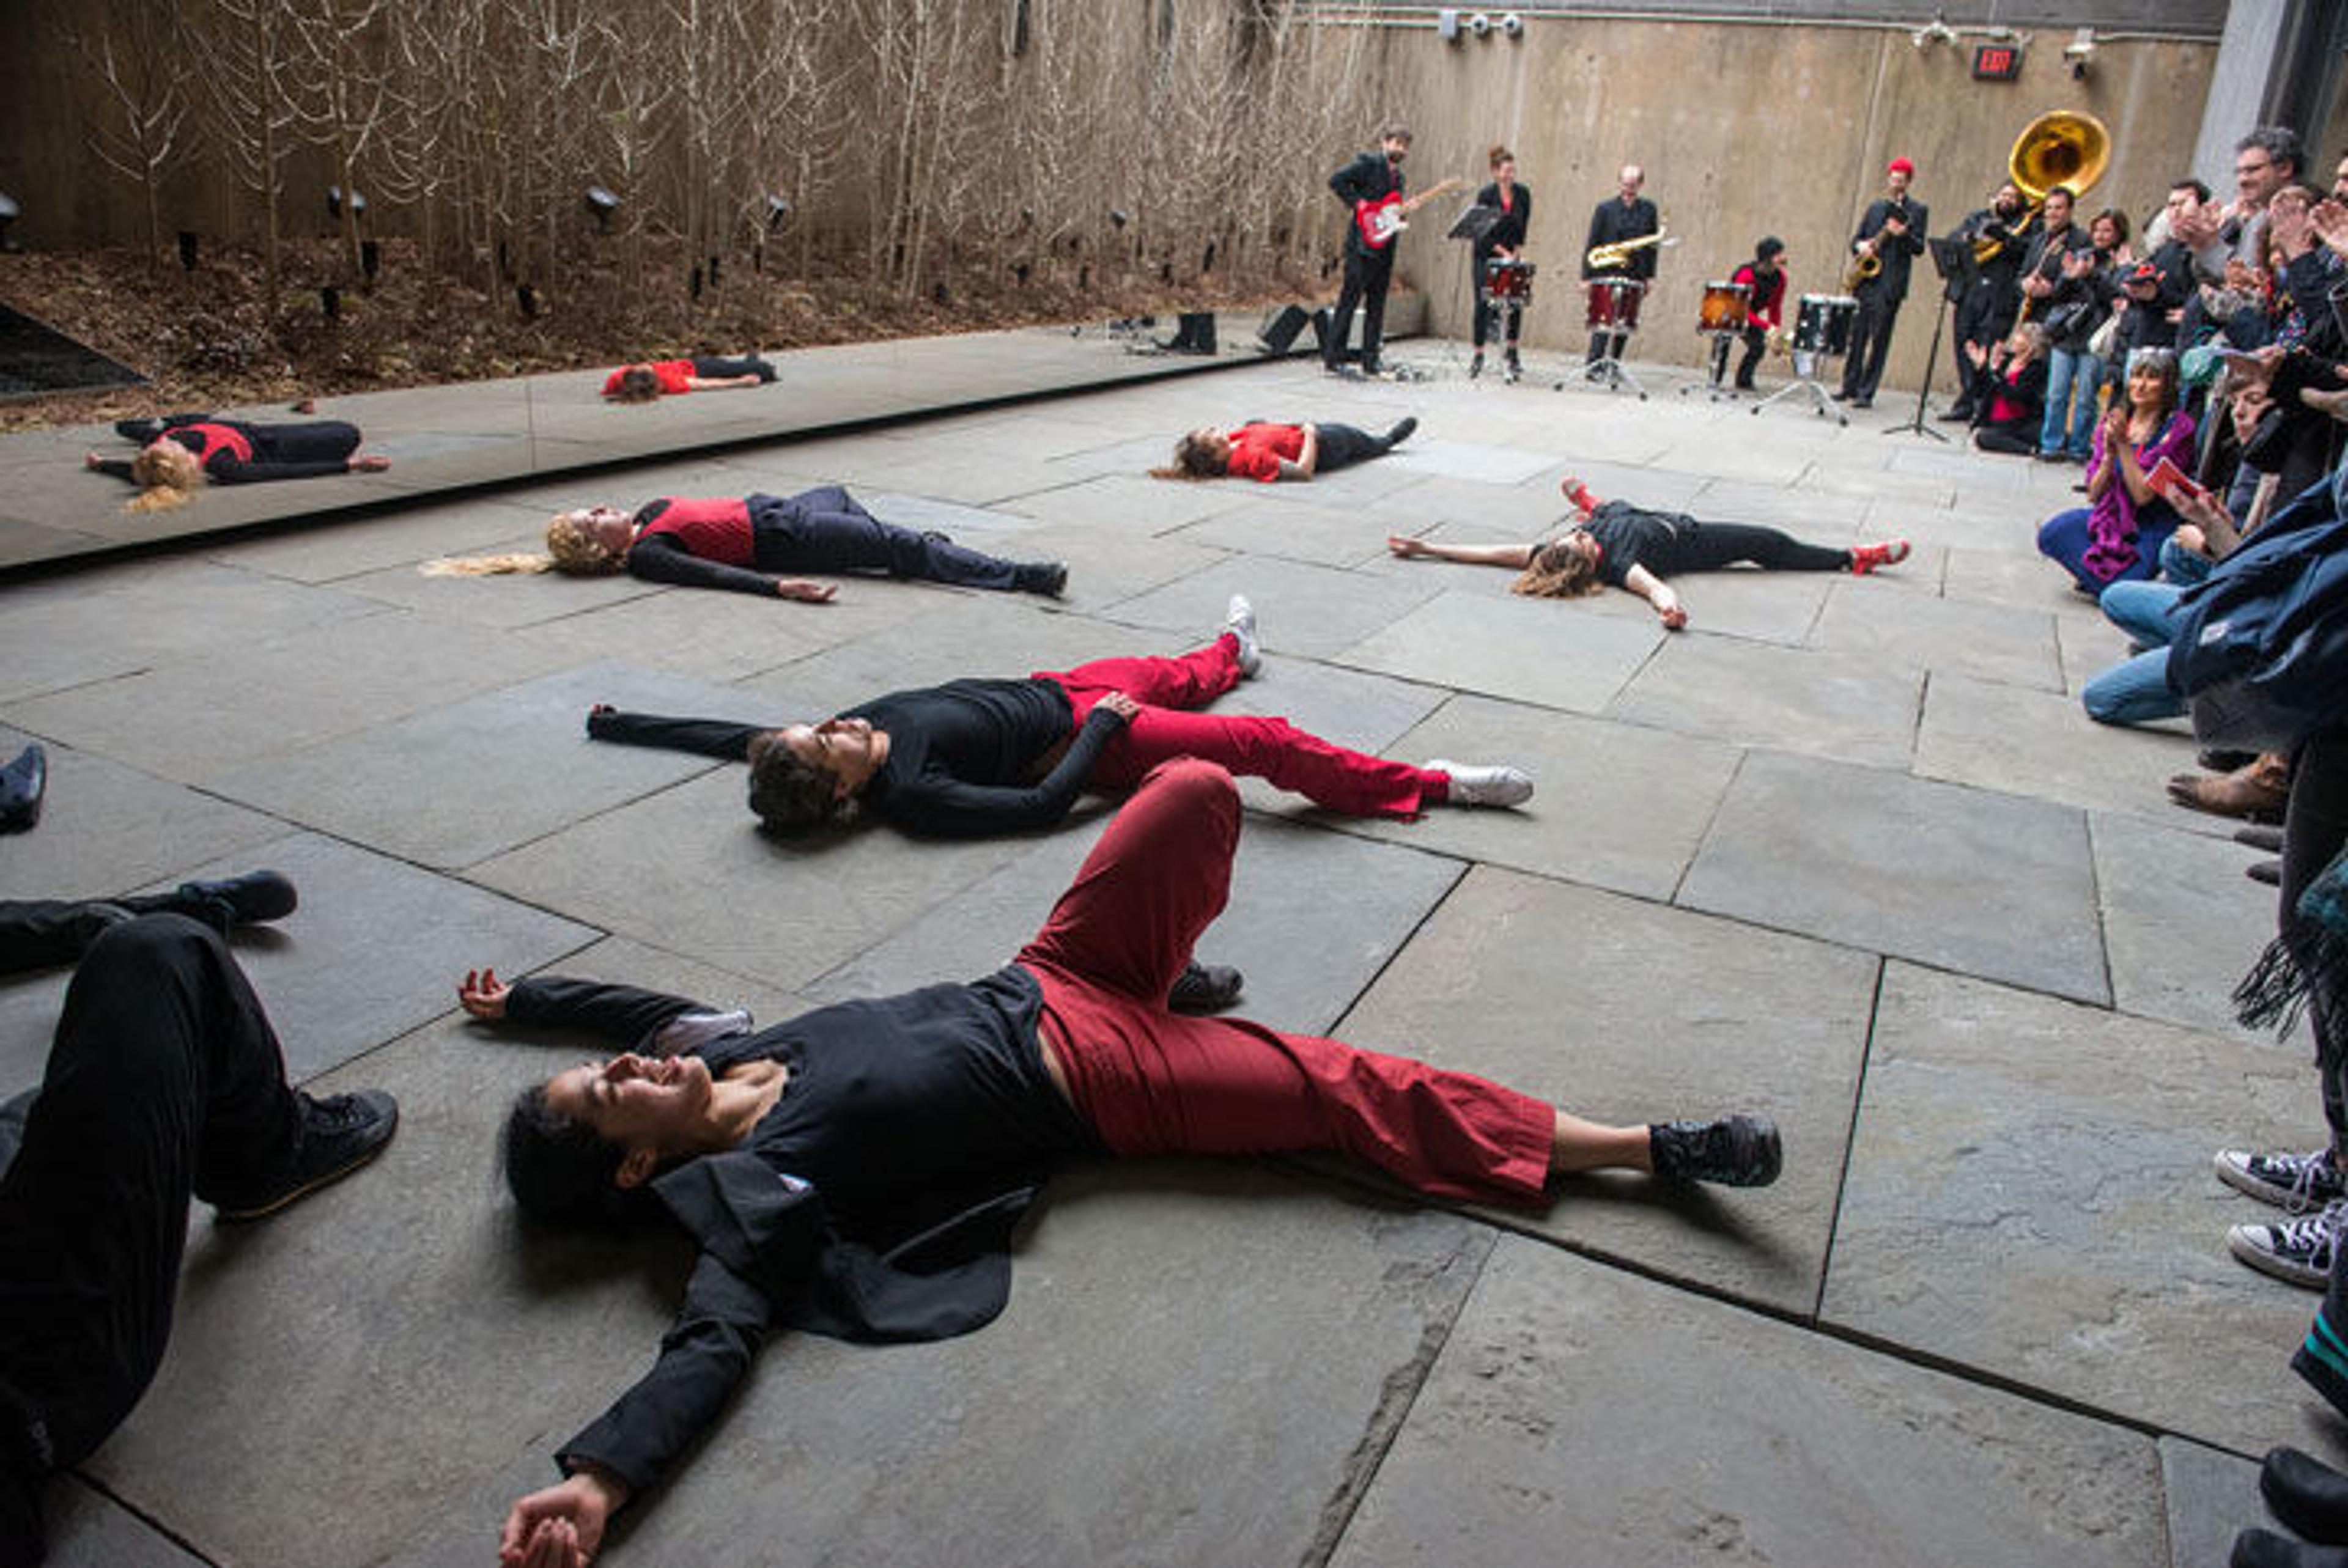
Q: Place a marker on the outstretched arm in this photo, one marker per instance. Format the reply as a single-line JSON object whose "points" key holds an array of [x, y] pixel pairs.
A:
{"points": [[1514, 556], [1657, 592], [704, 737], [662, 558]]}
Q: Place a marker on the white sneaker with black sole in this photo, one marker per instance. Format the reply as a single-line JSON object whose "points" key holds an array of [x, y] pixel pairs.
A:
{"points": [[1238, 620], [2297, 1250], [1484, 786]]}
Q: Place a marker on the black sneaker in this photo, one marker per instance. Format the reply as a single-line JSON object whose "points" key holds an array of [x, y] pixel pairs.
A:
{"points": [[22, 785], [1048, 577], [236, 900], [2305, 1493], [339, 1134], [1402, 429], [1735, 1151], [1204, 989]]}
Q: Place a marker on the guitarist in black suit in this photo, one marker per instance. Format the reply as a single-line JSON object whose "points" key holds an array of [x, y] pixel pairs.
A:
{"points": [[1370, 177]]}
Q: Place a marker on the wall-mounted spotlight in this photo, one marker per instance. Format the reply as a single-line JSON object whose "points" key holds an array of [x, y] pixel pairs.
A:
{"points": [[778, 211], [601, 204], [1480, 24], [1513, 25], [334, 202], [9, 213], [2079, 52]]}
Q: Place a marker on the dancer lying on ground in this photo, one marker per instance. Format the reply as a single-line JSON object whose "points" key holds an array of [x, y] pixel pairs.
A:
{"points": [[972, 758], [670, 377], [2118, 536], [1271, 453], [737, 543], [181, 451], [164, 1079], [1614, 544], [802, 1156]]}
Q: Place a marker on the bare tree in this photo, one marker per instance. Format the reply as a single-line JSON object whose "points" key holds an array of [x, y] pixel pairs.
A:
{"points": [[143, 59], [251, 55]]}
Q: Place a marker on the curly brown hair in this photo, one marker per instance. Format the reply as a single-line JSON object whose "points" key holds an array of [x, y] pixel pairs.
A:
{"points": [[1557, 572], [790, 795]]}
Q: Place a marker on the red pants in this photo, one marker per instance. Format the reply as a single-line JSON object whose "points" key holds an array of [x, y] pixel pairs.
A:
{"points": [[1270, 749], [1151, 1082]]}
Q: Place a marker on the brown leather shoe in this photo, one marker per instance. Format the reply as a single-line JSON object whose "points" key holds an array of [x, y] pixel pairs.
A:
{"points": [[2260, 791]]}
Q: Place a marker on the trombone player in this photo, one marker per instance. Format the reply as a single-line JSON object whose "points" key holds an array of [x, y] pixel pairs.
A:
{"points": [[1890, 236], [1621, 219], [1999, 235]]}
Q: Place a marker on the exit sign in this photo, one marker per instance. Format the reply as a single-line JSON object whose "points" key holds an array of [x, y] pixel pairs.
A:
{"points": [[1997, 62]]}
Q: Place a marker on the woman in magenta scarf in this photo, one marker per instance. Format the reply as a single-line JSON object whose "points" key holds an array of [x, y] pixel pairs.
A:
{"points": [[2118, 533]]}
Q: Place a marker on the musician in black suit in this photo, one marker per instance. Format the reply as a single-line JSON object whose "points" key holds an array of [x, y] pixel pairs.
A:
{"points": [[1626, 215], [1370, 177], [1892, 233], [1500, 243], [1992, 295]]}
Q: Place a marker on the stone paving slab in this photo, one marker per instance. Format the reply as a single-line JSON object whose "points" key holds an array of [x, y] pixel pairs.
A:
{"points": [[1985, 883], [1306, 610], [451, 785], [1727, 1437], [88, 1529], [473, 526], [1467, 460], [1529, 651], [1672, 1015], [2030, 1189], [1835, 705], [2042, 744], [2212, 1497], [1985, 640], [107, 828], [720, 636], [1324, 536], [1306, 957], [1130, 503], [2182, 923], [1517, 512], [1615, 806]]}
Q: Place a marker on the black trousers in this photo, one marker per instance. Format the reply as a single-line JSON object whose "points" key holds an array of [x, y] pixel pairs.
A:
{"points": [[826, 531], [164, 1079], [2014, 438], [1717, 545], [1870, 344], [1367, 273], [2315, 826], [1342, 447], [1757, 343], [718, 369], [1487, 310]]}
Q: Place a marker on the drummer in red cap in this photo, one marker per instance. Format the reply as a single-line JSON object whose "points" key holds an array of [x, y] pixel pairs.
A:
{"points": [[1890, 236]]}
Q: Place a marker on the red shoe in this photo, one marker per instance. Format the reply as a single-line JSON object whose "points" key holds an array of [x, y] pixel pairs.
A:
{"points": [[1579, 494], [1865, 558]]}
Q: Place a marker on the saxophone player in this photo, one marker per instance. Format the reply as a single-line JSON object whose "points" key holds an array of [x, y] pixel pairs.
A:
{"points": [[1626, 215], [1889, 237]]}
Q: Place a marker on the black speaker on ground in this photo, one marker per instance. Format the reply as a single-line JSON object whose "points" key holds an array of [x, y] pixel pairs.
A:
{"points": [[1322, 325], [1194, 332], [1278, 333]]}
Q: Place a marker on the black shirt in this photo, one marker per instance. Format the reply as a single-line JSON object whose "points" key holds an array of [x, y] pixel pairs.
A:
{"points": [[1370, 177], [875, 1200], [1896, 252], [1631, 536], [1510, 231], [1616, 221]]}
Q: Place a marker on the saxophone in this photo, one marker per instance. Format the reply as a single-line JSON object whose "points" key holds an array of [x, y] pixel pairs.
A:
{"points": [[1868, 263], [1602, 257]]}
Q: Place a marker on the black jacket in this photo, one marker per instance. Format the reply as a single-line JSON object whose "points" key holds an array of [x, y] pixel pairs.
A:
{"points": [[875, 1202], [1370, 177], [1896, 253], [1510, 230], [1613, 222]]}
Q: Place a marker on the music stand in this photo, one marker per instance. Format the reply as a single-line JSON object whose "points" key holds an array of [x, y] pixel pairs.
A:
{"points": [[1475, 222], [1953, 260]]}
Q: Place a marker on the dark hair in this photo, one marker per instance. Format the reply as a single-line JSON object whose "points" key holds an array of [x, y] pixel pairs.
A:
{"points": [[2163, 363], [2279, 142], [561, 1170], [2200, 191], [1194, 459], [1769, 246], [1393, 131], [2065, 191], [2119, 219], [788, 794], [1498, 154], [638, 383]]}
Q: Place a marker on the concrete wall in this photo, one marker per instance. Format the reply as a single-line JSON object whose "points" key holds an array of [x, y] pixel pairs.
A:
{"points": [[1746, 129]]}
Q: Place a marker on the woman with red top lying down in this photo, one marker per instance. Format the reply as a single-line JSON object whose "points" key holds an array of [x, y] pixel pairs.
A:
{"points": [[182, 451], [739, 543], [671, 377], [1269, 453]]}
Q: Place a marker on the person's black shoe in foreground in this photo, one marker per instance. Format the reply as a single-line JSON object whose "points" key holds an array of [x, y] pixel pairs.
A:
{"points": [[232, 901], [2307, 1494], [1738, 1150], [1204, 988], [22, 783], [340, 1132], [2264, 1549]]}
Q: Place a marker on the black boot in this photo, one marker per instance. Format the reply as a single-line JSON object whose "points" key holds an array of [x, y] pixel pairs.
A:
{"points": [[22, 785], [1048, 577], [2306, 1494], [1402, 430], [1204, 988], [2265, 1549]]}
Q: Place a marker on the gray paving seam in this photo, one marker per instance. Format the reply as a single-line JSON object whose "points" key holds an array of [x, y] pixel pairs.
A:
{"points": [[150, 1520], [1850, 1139], [1711, 823], [1397, 1397]]}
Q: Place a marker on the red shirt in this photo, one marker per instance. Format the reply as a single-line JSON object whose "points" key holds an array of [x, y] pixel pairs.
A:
{"points": [[1765, 308], [675, 376], [1258, 450], [717, 529], [210, 441]]}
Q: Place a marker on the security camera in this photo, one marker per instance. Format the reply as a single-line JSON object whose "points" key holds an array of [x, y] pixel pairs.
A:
{"points": [[1480, 24], [1513, 25], [2079, 52]]}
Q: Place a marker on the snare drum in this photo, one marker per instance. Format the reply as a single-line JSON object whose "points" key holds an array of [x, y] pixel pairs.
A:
{"points": [[1823, 325], [1724, 308], [1508, 283], [1614, 304]]}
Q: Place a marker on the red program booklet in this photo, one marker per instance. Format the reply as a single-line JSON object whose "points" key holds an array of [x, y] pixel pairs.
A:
{"points": [[2171, 484]]}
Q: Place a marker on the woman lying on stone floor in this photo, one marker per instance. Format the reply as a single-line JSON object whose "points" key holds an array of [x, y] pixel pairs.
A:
{"points": [[1615, 544], [1271, 453], [973, 758], [739, 543], [182, 452], [857, 1169], [644, 382]]}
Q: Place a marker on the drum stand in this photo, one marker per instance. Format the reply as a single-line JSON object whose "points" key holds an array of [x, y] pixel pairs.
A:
{"points": [[1610, 369], [1807, 362], [1718, 347]]}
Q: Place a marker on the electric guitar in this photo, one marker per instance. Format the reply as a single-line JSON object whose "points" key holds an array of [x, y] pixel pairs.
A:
{"points": [[1382, 219]]}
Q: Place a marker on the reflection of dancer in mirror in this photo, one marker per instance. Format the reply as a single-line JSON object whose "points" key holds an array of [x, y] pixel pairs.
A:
{"points": [[1614, 544], [973, 758], [738, 543], [1269, 453], [1500, 243], [183, 451], [671, 377], [806, 1158]]}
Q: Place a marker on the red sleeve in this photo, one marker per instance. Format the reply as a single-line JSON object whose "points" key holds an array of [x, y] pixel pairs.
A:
{"points": [[611, 382], [675, 375], [1253, 462]]}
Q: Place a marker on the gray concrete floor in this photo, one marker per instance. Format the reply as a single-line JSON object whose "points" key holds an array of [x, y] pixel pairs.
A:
{"points": [[1844, 851]]}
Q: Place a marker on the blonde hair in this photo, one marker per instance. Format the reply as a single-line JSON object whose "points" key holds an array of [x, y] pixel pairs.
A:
{"points": [[167, 474], [571, 550], [1556, 572]]}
